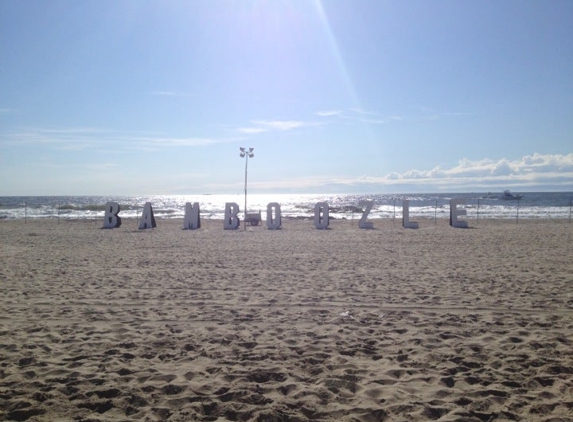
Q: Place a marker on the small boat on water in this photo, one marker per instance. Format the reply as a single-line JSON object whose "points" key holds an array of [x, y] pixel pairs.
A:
{"points": [[507, 195], [490, 196]]}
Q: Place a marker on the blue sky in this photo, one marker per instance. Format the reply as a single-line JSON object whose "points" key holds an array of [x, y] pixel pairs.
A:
{"points": [[111, 97]]}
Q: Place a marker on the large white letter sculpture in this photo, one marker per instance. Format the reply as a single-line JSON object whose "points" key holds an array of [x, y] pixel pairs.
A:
{"points": [[455, 212], [111, 219], [406, 223], [321, 217], [147, 219], [273, 223], [363, 224], [231, 216], [192, 220]]}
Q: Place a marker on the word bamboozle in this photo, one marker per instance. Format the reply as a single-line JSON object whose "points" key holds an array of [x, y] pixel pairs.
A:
{"points": [[231, 221]]}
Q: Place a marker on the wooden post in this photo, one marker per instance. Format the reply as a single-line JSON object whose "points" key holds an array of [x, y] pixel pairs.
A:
{"points": [[517, 216]]}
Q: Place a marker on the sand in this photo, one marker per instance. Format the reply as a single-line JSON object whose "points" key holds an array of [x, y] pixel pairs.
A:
{"points": [[298, 324]]}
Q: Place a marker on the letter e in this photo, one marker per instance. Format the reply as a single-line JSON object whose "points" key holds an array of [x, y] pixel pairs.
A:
{"points": [[455, 212]]}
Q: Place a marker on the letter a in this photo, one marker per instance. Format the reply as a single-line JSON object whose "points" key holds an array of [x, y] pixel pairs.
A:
{"points": [[147, 219], [191, 220], [111, 219]]}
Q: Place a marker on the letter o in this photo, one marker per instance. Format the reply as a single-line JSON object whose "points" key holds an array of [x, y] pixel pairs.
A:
{"points": [[274, 223], [321, 217]]}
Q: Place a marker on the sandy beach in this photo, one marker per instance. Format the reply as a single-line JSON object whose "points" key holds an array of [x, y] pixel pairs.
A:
{"points": [[297, 324]]}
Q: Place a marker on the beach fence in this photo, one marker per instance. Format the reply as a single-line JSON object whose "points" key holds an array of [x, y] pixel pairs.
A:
{"points": [[478, 209], [52, 210], [508, 210]]}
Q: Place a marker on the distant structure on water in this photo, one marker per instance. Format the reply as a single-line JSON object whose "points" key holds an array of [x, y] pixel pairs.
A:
{"points": [[506, 195]]}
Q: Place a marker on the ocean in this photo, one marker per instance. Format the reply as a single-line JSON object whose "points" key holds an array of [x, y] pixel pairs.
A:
{"points": [[532, 205]]}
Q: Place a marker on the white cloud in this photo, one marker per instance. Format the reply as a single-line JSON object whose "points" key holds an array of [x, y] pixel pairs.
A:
{"points": [[538, 168], [502, 168], [91, 138], [351, 114], [328, 113], [251, 130], [376, 118], [537, 171], [261, 126], [360, 115], [178, 142], [281, 124], [381, 120]]}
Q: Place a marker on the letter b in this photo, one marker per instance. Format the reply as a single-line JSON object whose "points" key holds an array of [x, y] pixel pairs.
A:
{"points": [[111, 218], [231, 216]]}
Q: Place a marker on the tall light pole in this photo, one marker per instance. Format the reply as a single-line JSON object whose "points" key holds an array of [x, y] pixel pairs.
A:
{"points": [[247, 154]]}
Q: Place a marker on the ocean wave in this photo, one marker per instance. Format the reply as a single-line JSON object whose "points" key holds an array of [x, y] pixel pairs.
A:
{"points": [[533, 205]]}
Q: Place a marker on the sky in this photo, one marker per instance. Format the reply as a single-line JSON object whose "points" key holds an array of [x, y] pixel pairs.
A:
{"points": [[129, 97]]}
